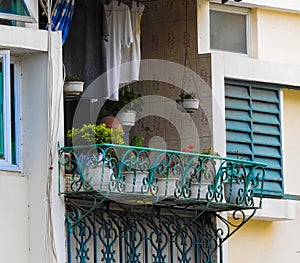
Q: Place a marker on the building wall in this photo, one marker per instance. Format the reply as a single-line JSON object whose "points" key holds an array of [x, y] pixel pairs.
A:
{"points": [[276, 241], [164, 38], [277, 36], [24, 222], [292, 140], [14, 240], [276, 238]]}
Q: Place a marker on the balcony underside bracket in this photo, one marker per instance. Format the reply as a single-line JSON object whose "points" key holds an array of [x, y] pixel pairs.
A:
{"points": [[228, 227], [82, 213]]}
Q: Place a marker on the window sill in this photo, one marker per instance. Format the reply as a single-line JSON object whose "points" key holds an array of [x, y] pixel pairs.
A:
{"points": [[4, 166], [274, 210], [227, 53]]}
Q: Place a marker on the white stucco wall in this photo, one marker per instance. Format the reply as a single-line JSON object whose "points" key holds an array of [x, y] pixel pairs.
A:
{"points": [[36, 152], [14, 238], [35, 130], [24, 221]]}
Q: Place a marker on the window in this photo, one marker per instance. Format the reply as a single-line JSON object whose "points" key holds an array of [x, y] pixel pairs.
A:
{"points": [[9, 144], [253, 128], [229, 29], [14, 10]]}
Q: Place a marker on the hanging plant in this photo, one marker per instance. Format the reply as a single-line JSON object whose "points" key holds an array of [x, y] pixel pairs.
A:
{"points": [[188, 102]]}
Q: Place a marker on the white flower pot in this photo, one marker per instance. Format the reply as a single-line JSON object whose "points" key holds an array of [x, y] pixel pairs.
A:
{"points": [[73, 88], [190, 105], [195, 190], [98, 177], [166, 187], [132, 186], [231, 196], [127, 118]]}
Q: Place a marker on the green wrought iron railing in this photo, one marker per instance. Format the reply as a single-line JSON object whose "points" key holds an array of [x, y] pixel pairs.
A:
{"points": [[153, 176]]}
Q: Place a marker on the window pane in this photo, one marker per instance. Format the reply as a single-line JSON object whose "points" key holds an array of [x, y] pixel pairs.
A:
{"points": [[228, 31], [16, 7], [1, 111]]}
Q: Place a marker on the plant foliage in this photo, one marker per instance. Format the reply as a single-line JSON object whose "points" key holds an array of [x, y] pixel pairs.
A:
{"points": [[95, 134]]}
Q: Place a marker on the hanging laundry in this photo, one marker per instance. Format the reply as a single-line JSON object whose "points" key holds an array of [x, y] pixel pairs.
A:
{"points": [[120, 35], [131, 72], [62, 16], [84, 51]]}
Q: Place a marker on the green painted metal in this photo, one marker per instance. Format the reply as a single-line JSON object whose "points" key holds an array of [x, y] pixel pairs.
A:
{"points": [[113, 234], [117, 233], [134, 204], [140, 176], [253, 128]]}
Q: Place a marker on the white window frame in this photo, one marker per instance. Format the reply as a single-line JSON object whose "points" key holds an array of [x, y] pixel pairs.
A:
{"points": [[239, 11], [6, 163], [203, 26], [19, 18]]}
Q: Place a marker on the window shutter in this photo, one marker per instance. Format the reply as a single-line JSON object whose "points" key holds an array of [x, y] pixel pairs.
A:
{"points": [[253, 130], [1, 117]]}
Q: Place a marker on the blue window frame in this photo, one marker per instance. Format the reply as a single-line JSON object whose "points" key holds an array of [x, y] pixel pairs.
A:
{"points": [[1, 113], [253, 128], [9, 112]]}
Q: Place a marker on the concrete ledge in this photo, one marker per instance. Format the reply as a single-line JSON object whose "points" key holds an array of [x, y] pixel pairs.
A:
{"points": [[23, 40], [274, 210], [280, 5]]}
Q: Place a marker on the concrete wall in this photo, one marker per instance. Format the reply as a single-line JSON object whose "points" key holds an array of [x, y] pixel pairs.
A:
{"points": [[35, 119], [24, 221], [276, 241], [164, 38], [35, 134], [273, 234], [277, 36], [291, 140], [14, 240]]}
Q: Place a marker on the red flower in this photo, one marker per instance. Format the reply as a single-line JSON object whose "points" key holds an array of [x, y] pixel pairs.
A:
{"points": [[185, 150], [191, 146], [172, 164]]}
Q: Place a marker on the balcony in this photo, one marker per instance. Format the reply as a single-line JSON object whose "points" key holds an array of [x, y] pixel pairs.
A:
{"points": [[154, 177], [154, 200]]}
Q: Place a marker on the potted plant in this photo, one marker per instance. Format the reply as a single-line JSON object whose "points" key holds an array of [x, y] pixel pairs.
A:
{"points": [[167, 181], [132, 169], [92, 165], [126, 108], [199, 183], [73, 86], [188, 102]]}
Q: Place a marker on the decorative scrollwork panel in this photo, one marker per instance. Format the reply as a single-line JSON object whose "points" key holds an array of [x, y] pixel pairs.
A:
{"points": [[115, 235]]}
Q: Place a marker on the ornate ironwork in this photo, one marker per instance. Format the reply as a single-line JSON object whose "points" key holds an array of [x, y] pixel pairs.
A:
{"points": [[145, 175], [118, 235], [133, 204]]}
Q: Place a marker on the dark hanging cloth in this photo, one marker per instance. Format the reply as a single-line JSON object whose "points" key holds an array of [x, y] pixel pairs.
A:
{"points": [[84, 50]]}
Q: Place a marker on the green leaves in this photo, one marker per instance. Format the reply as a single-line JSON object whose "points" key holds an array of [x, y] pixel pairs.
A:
{"points": [[95, 134]]}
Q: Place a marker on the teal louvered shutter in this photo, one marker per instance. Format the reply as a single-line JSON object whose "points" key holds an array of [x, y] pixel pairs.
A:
{"points": [[253, 130], [1, 117]]}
